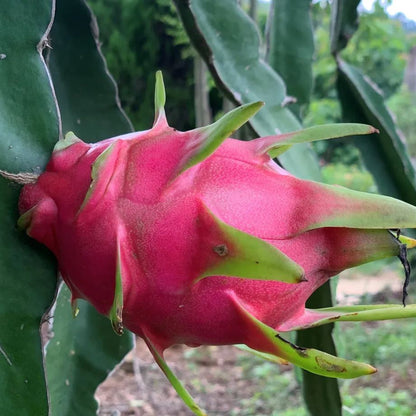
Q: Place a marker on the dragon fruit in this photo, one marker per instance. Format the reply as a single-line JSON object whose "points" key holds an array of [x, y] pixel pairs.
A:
{"points": [[199, 239]]}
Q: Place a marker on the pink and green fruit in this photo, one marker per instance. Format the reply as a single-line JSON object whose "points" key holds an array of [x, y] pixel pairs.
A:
{"points": [[196, 238]]}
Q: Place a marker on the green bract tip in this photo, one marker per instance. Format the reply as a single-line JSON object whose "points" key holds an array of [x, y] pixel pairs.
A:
{"points": [[160, 99], [69, 140], [116, 312], [276, 145], [207, 139], [239, 254]]}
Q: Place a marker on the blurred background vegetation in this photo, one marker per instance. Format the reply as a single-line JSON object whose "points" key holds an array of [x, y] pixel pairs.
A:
{"points": [[138, 37]]}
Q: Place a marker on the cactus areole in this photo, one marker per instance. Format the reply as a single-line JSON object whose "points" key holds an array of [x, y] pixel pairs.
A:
{"points": [[199, 239]]}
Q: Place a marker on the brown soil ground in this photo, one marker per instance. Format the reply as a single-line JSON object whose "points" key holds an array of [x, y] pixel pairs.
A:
{"points": [[214, 371]]}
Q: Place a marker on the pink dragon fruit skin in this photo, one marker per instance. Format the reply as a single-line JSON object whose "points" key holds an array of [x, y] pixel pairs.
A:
{"points": [[195, 238]]}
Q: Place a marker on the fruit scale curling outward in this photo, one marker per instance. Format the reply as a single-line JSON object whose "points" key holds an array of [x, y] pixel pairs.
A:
{"points": [[196, 238]]}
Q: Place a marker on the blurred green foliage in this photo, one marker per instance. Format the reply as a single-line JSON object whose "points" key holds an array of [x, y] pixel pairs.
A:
{"points": [[390, 343], [278, 390], [378, 402], [350, 176], [379, 48], [138, 37]]}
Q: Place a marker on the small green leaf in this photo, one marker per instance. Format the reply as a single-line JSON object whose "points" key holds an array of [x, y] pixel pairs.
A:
{"points": [[116, 311], [275, 145], [67, 141], [410, 242], [242, 255], [100, 178], [74, 307], [269, 341], [268, 357], [23, 222], [354, 209], [177, 385], [205, 140], [160, 100], [359, 313]]}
